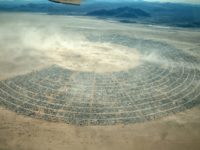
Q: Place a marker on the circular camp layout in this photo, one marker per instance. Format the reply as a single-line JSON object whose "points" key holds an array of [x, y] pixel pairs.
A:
{"points": [[133, 80]]}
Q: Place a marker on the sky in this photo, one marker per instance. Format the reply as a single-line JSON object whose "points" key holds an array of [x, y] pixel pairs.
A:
{"points": [[180, 1], [185, 1]]}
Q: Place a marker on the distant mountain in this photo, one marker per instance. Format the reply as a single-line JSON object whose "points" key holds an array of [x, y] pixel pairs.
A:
{"points": [[48, 8], [169, 14], [122, 12]]}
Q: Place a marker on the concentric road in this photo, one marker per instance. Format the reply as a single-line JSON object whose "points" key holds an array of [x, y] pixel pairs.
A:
{"points": [[166, 81]]}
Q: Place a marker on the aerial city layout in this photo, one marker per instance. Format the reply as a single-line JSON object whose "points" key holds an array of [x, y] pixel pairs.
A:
{"points": [[81, 71]]}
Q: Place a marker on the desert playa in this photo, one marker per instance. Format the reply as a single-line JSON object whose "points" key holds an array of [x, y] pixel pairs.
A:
{"points": [[97, 84]]}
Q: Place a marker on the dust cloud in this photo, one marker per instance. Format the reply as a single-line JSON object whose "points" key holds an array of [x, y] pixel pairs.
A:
{"points": [[33, 41]]}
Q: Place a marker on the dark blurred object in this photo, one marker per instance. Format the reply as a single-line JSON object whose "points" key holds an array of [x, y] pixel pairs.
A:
{"points": [[73, 2]]}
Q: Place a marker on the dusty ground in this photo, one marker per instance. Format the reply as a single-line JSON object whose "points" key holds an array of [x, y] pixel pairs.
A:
{"points": [[181, 131], [38, 43]]}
